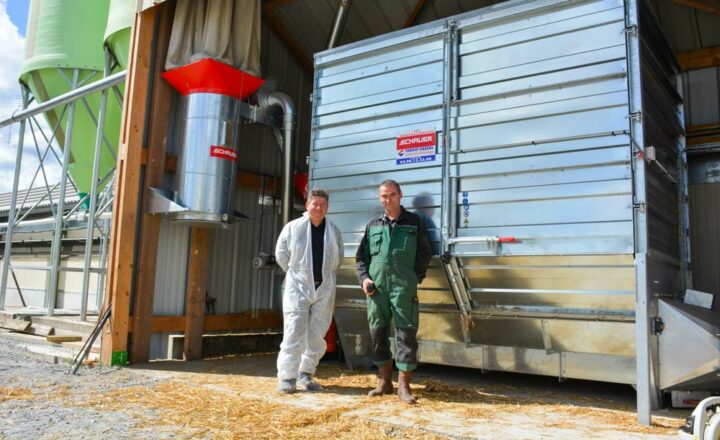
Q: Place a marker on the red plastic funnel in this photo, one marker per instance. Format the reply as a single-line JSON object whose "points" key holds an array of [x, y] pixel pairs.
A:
{"points": [[210, 76]]}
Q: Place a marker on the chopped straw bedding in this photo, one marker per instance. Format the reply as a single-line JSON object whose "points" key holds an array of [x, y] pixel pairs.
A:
{"points": [[221, 404]]}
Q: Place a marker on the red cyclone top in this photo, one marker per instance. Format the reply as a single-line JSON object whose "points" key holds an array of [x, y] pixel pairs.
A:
{"points": [[210, 76]]}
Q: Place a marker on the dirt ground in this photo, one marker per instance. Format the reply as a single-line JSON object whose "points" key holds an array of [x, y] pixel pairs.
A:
{"points": [[234, 397]]}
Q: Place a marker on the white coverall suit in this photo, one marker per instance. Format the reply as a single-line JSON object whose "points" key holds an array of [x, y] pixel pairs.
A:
{"points": [[307, 312]]}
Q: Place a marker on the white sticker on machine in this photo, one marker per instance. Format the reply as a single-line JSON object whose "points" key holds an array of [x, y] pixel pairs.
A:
{"points": [[416, 147]]}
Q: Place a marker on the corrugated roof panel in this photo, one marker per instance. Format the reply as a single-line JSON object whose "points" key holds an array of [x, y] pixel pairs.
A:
{"points": [[308, 21], [709, 29], [39, 194], [687, 29]]}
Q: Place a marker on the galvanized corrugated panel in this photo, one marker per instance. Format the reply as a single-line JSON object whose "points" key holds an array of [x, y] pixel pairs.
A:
{"points": [[171, 272], [232, 281], [170, 280], [539, 99]]}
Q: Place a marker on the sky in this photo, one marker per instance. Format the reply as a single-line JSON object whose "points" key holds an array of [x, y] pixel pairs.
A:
{"points": [[13, 22]]}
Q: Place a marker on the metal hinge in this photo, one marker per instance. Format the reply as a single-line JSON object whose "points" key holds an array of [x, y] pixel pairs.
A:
{"points": [[632, 30], [657, 326], [635, 115]]}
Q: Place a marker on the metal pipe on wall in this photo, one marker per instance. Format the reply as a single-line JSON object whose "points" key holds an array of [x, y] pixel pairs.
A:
{"points": [[286, 104], [339, 23]]}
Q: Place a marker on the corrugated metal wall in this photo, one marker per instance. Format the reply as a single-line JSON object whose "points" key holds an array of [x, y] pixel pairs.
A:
{"points": [[662, 125], [233, 283]]}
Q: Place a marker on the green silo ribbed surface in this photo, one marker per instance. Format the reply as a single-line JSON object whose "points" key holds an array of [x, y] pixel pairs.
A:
{"points": [[117, 32], [63, 35]]}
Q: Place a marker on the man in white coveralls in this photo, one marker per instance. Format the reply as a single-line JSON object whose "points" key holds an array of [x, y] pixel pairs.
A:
{"points": [[310, 250]]}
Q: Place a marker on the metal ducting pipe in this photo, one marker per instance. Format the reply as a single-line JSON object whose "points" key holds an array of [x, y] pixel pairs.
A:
{"points": [[286, 104], [339, 24]]}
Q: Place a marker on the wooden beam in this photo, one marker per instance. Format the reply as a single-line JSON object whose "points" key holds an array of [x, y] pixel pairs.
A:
{"points": [[154, 170], [196, 287], [127, 190], [413, 15], [282, 32], [263, 319], [699, 59], [709, 6]]}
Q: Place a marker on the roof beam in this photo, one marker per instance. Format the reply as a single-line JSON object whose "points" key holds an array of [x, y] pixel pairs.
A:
{"points": [[699, 59], [413, 15], [710, 6], [283, 33]]}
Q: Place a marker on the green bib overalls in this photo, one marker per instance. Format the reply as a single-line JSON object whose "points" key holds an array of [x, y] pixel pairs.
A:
{"points": [[392, 254]]}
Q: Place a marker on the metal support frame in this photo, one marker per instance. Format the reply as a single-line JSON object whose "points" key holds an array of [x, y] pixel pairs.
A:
{"points": [[13, 202], [93, 192], [51, 297], [100, 201], [683, 196], [643, 361]]}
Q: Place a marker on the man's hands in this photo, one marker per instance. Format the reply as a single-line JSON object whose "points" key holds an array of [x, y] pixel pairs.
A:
{"points": [[366, 285]]}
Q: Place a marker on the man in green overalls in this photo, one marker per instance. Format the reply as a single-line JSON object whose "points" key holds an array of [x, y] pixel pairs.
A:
{"points": [[391, 261]]}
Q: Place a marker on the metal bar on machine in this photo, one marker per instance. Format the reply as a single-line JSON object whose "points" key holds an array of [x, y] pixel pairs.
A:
{"points": [[446, 203], [57, 242], [93, 193], [66, 98], [13, 201], [643, 362]]}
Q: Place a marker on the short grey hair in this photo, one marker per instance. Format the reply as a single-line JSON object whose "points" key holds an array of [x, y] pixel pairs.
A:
{"points": [[390, 182], [317, 192]]}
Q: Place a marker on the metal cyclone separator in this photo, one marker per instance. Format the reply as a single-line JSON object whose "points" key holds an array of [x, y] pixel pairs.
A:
{"points": [[213, 62], [211, 95]]}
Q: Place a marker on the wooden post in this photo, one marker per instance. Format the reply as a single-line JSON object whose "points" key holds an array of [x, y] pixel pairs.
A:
{"points": [[196, 286], [127, 191], [154, 169]]}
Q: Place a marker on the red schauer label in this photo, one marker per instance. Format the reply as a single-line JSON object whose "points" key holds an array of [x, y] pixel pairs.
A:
{"points": [[223, 152], [425, 139]]}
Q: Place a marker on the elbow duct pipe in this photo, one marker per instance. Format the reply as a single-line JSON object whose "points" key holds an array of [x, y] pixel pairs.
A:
{"points": [[288, 108]]}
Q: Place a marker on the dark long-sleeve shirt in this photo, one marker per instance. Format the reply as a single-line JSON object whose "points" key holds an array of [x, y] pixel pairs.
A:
{"points": [[318, 246], [406, 218]]}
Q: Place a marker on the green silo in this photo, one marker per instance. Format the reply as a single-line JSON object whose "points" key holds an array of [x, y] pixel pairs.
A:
{"points": [[117, 31], [62, 36]]}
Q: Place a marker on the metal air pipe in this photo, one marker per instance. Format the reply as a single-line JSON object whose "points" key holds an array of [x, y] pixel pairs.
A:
{"points": [[286, 104], [339, 23]]}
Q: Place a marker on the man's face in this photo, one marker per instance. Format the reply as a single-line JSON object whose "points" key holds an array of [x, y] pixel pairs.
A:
{"points": [[390, 197], [317, 207]]}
